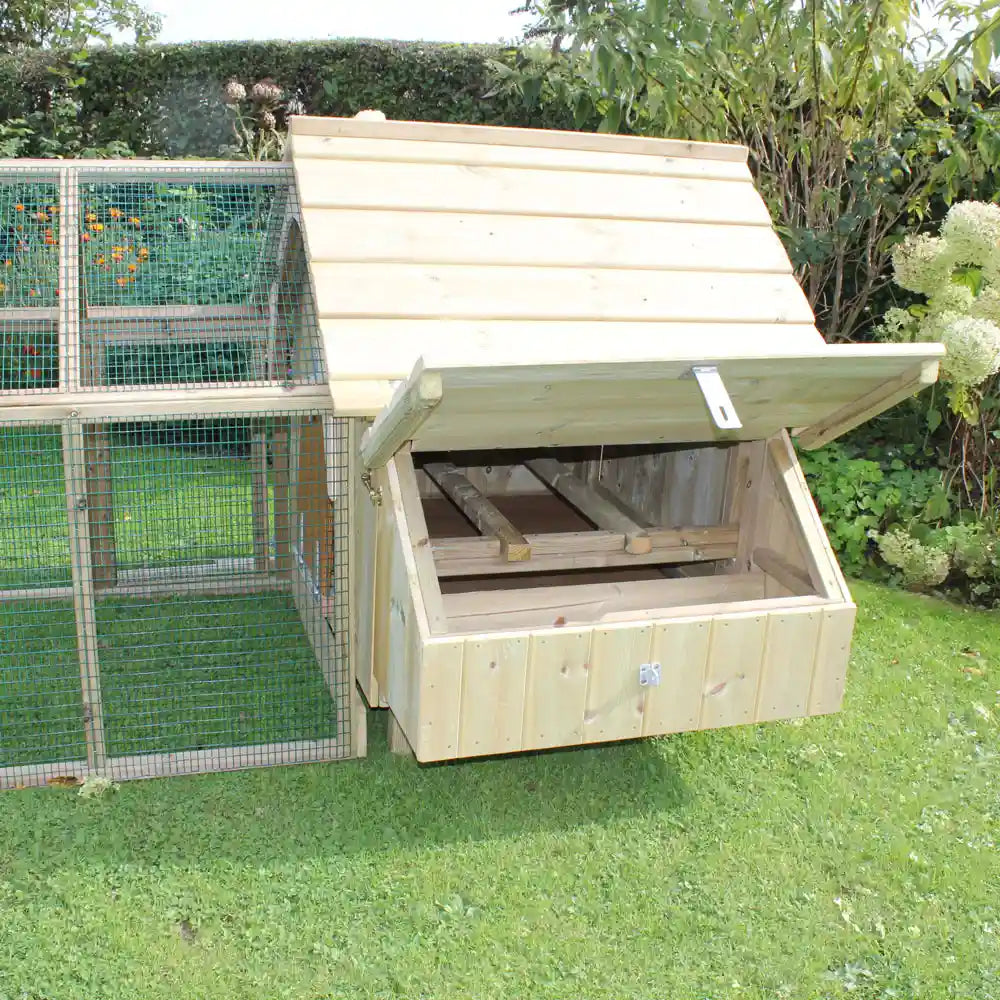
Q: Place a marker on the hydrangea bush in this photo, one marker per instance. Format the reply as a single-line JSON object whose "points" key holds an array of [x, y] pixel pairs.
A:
{"points": [[958, 273]]}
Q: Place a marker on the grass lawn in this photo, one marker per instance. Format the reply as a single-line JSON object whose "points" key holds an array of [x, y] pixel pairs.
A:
{"points": [[852, 856]]}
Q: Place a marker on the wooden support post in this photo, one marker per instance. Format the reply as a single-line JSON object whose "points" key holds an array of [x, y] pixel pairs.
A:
{"points": [[74, 473], [100, 506], [282, 511], [259, 500], [71, 361], [594, 502], [398, 743], [477, 508]]}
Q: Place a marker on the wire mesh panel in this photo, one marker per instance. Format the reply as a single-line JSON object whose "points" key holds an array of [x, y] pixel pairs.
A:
{"points": [[168, 591], [41, 707], [29, 281], [182, 280]]}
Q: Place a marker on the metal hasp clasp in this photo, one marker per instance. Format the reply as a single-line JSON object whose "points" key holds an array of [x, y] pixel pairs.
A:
{"points": [[717, 397], [374, 492], [649, 675]]}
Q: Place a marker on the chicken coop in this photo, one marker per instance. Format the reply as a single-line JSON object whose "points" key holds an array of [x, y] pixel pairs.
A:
{"points": [[575, 364], [174, 527], [493, 425]]}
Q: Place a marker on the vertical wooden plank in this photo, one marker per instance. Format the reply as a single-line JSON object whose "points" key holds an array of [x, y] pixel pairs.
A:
{"points": [[440, 700], [385, 545], [282, 511], [555, 697], [74, 473], [100, 505], [494, 672], [681, 648], [362, 558], [832, 655], [72, 362], [359, 724], [258, 501], [615, 701], [401, 668], [746, 481], [398, 743], [789, 656], [734, 665]]}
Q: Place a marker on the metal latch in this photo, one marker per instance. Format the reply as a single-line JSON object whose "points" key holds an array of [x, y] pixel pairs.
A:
{"points": [[374, 492], [649, 675], [717, 397]]}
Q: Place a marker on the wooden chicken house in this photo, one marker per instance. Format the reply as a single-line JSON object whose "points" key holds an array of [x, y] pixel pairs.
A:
{"points": [[575, 365]]}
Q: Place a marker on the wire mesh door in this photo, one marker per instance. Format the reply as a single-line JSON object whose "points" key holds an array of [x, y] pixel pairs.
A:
{"points": [[173, 593]]}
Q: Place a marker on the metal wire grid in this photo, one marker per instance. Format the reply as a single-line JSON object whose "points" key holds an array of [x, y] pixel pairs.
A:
{"points": [[29, 280], [181, 575], [154, 274]]}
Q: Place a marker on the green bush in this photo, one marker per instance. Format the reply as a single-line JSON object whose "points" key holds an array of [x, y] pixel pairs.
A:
{"points": [[166, 100]]}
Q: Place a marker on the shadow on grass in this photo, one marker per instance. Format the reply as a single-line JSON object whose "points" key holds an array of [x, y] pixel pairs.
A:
{"points": [[383, 804]]}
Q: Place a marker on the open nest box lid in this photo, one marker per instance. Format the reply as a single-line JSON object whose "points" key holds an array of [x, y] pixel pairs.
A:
{"points": [[558, 289], [818, 395]]}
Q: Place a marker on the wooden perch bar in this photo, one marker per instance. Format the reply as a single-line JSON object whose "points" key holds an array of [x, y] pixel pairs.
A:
{"points": [[513, 546], [454, 557], [596, 503]]}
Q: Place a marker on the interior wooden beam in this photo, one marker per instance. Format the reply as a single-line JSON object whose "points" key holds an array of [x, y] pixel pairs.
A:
{"points": [[551, 552], [512, 545], [593, 501], [777, 566]]}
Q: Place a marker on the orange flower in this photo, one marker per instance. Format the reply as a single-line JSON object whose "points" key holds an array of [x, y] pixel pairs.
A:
{"points": [[132, 267], [142, 253], [32, 292], [41, 216], [122, 281], [98, 227], [117, 258], [19, 208], [20, 229], [86, 237], [135, 220], [91, 217], [54, 209], [3, 288], [48, 232], [49, 241], [8, 263], [115, 213], [99, 261]]}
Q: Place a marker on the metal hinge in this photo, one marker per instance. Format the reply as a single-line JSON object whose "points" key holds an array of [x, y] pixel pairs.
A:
{"points": [[374, 492], [649, 675]]}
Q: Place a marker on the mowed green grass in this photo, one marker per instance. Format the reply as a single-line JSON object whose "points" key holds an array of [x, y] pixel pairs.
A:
{"points": [[849, 856]]}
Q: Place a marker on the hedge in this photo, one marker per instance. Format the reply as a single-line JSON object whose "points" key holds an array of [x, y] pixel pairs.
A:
{"points": [[165, 99]]}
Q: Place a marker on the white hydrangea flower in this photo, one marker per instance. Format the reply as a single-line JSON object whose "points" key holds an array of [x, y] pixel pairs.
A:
{"points": [[952, 297], [972, 231], [986, 305], [973, 346], [897, 325], [921, 565], [922, 263]]}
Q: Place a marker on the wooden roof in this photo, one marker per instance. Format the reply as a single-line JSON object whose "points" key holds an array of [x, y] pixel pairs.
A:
{"points": [[484, 245]]}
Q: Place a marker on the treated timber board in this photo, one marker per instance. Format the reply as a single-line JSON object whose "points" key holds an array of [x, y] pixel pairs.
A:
{"points": [[446, 408], [530, 157], [789, 658], [793, 494], [501, 136], [71, 360], [583, 550], [830, 673], [453, 187], [358, 235], [360, 349], [440, 699], [681, 648], [733, 673], [615, 700], [363, 558], [452, 291], [555, 694], [494, 673], [385, 546]]}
